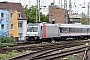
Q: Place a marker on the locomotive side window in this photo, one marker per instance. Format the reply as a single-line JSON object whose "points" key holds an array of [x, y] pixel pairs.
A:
{"points": [[41, 27], [32, 29]]}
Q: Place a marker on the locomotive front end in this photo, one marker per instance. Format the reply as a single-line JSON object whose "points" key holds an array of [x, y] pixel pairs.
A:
{"points": [[32, 32]]}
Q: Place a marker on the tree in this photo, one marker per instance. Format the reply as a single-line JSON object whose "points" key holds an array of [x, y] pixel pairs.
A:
{"points": [[84, 20], [31, 14]]}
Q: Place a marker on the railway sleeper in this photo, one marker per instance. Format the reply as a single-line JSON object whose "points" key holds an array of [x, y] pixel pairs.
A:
{"points": [[58, 53]]}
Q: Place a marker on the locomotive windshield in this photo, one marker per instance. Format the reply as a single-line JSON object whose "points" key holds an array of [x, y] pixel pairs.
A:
{"points": [[32, 29]]}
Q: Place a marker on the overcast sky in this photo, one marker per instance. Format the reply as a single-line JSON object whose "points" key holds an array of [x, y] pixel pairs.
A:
{"points": [[78, 3]]}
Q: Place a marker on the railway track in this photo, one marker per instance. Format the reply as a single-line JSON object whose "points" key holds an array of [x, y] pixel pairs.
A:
{"points": [[35, 47], [57, 54], [49, 51]]}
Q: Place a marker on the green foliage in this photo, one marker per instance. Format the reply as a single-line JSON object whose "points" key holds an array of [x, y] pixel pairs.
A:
{"points": [[7, 52], [71, 57], [23, 50], [14, 51], [10, 54], [84, 20], [31, 15], [3, 56], [6, 55], [43, 17], [6, 40], [6, 44], [31, 51]]}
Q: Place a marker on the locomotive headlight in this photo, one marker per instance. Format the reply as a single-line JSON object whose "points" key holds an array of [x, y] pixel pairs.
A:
{"points": [[36, 34], [26, 37]]}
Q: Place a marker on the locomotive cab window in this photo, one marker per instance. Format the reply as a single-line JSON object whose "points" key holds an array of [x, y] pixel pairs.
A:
{"points": [[32, 29]]}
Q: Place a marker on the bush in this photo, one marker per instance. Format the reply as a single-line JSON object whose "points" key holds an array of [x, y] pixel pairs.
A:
{"points": [[6, 40], [14, 51], [71, 57], [6, 55]]}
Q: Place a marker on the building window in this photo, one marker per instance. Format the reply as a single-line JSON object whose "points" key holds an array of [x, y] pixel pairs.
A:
{"points": [[19, 25], [2, 15], [11, 15], [11, 26], [20, 35], [19, 15], [2, 26]]}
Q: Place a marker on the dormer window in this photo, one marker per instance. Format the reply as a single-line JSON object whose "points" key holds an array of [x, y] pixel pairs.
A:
{"points": [[19, 15]]}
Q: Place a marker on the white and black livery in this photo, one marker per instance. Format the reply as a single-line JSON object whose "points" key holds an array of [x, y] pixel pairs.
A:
{"points": [[46, 32]]}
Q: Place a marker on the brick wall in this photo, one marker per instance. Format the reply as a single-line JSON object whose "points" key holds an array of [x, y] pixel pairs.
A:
{"points": [[56, 14]]}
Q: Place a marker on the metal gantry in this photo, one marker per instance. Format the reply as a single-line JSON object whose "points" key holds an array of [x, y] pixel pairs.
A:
{"points": [[65, 12], [88, 13], [70, 7], [38, 11]]}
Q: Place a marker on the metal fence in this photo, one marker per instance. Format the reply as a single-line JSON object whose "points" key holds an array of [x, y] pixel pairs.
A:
{"points": [[85, 57]]}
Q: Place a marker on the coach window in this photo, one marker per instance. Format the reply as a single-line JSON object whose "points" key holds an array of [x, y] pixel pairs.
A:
{"points": [[89, 29], [81, 30], [78, 29], [85, 30], [74, 30], [71, 29], [64, 30]]}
